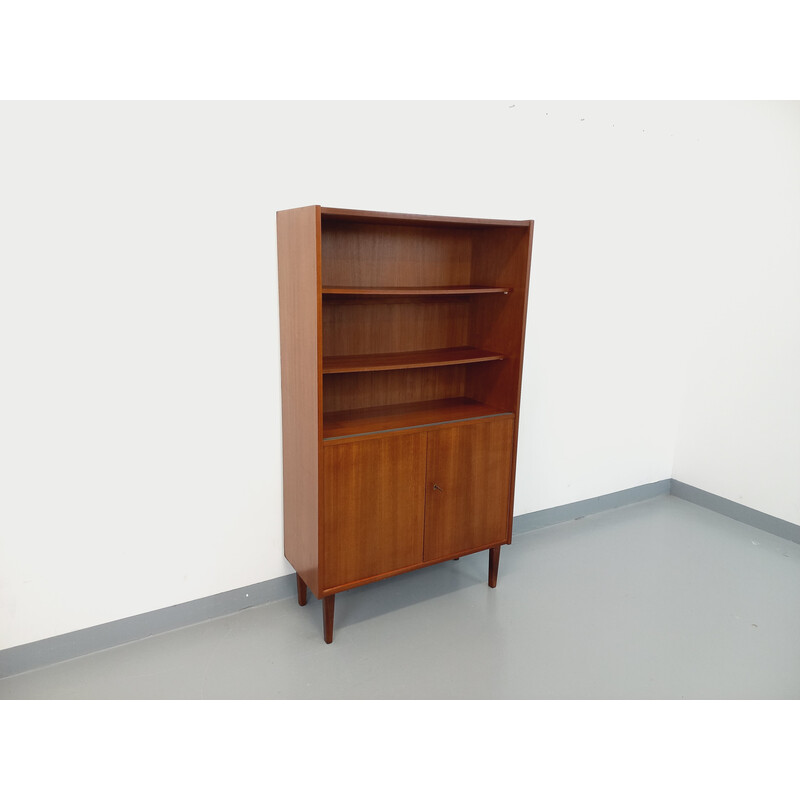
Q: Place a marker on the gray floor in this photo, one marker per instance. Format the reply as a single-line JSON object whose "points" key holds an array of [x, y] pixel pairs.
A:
{"points": [[661, 599]]}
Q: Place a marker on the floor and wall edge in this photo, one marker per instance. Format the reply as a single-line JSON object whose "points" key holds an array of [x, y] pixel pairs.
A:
{"points": [[728, 508], [582, 508], [65, 646], [42, 653]]}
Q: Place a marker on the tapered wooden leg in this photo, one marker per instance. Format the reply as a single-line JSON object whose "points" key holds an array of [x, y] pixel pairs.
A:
{"points": [[302, 591], [327, 616], [494, 562]]}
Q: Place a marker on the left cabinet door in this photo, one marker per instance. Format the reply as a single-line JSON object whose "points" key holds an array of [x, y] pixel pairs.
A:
{"points": [[373, 507], [468, 483]]}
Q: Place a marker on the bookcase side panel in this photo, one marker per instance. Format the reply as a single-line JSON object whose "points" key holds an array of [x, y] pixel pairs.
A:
{"points": [[502, 256], [301, 360]]}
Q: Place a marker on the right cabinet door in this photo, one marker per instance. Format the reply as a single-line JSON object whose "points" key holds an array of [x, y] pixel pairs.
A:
{"points": [[468, 482]]}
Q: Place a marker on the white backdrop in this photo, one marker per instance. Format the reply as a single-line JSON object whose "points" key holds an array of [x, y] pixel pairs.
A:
{"points": [[140, 453]]}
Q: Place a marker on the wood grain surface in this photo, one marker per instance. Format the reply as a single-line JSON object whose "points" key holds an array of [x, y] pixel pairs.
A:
{"points": [[300, 314], [412, 359], [353, 390], [374, 507], [402, 291], [467, 486], [402, 415]]}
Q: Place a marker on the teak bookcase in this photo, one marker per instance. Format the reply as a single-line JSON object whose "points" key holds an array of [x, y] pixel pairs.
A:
{"points": [[401, 362]]}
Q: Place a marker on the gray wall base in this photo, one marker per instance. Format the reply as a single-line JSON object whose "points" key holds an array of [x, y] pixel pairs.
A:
{"points": [[33, 655], [758, 519], [582, 508], [29, 656]]}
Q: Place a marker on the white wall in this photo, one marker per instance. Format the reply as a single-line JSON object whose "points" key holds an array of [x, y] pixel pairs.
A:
{"points": [[738, 430], [139, 360]]}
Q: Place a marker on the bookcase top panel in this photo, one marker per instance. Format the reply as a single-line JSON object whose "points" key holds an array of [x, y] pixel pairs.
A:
{"points": [[389, 218]]}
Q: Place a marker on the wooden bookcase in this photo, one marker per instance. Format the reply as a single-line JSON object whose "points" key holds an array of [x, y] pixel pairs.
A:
{"points": [[401, 363]]}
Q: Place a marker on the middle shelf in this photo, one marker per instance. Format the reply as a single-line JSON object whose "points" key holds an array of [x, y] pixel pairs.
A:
{"points": [[413, 291], [413, 359]]}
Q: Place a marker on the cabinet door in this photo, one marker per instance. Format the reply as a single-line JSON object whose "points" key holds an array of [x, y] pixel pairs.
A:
{"points": [[373, 506], [468, 484]]}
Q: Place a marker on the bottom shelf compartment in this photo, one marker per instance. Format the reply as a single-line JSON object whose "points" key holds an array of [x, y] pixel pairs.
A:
{"points": [[377, 419]]}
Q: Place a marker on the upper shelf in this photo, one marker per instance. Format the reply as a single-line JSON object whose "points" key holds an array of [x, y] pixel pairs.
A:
{"points": [[374, 362], [410, 291]]}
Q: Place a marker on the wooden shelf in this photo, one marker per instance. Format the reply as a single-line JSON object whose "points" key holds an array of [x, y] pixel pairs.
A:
{"points": [[360, 421], [374, 362], [406, 291]]}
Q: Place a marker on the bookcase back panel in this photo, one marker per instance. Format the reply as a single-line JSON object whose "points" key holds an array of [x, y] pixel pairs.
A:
{"points": [[342, 392], [356, 328], [393, 255]]}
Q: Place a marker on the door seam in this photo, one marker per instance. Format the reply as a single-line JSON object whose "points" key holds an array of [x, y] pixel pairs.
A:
{"points": [[425, 498]]}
